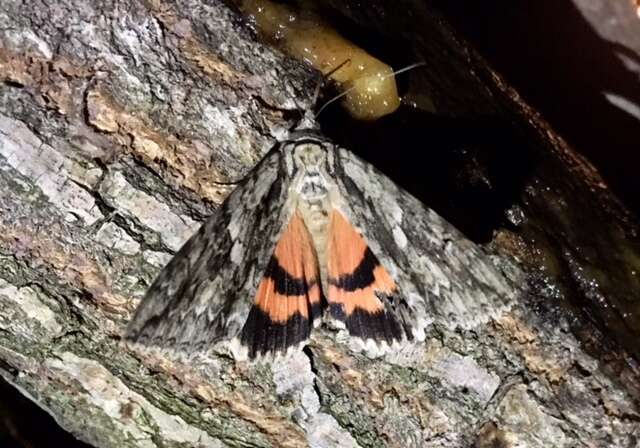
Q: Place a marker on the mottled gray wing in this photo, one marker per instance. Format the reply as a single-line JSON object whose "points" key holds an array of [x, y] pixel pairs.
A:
{"points": [[441, 275], [205, 292]]}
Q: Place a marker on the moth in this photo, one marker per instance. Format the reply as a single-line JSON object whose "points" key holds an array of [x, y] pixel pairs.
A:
{"points": [[315, 234]]}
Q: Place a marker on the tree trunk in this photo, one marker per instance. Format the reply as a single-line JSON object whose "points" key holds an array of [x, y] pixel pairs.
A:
{"points": [[123, 125]]}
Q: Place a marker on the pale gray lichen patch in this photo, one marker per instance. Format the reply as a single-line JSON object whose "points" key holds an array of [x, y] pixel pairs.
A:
{"points": [[25, 40], [323, 431], [407, 355], [47, 169], [398, 426], [19, 361], [114, 237], [131, 412], [157, 259], [294, 380], [292, 374], [525, 423], [173, 229], [221, 122], [26, 300], [464, 372]]}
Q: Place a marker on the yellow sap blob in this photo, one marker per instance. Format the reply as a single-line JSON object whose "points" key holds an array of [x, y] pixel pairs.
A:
{"points": [[305, 37]]}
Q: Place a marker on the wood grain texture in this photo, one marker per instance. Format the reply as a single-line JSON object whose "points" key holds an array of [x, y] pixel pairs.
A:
{"points": [[123, 125]]}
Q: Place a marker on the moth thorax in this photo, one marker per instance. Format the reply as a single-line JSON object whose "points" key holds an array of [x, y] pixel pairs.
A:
{"points": [[312, 185], [315, 214], [311, 160]]}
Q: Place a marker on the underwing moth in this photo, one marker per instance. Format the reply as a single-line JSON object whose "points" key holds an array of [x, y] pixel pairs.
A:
{"points": [[316, 234]]}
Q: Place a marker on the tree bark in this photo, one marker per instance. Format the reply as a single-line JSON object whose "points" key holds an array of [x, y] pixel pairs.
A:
{"points": [[122, 126]]}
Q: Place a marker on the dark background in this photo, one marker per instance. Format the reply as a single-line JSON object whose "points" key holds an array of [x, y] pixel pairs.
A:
{"points": [[561, 56]]}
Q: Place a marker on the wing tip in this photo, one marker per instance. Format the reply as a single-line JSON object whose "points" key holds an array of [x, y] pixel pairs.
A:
{"points": [[238, 350], [376, 334], [374, 348], [261, 335], [380, 325], [242, 352]]}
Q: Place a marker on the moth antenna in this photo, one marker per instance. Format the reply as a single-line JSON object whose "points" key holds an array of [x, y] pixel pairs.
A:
{"points": [[322, 77], [308, 120], [397, 72]]}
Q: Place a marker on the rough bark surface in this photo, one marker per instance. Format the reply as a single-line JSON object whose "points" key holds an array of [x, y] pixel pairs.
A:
{"points": [[122, 126], [589, 241]]}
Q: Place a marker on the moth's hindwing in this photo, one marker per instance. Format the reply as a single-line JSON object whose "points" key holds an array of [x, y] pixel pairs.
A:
{"points": [[359, 287], [288, 299], [438, 274], [206, 291]]}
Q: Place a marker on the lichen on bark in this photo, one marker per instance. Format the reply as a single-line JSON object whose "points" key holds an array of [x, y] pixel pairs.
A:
{"points": [[122, 126]]}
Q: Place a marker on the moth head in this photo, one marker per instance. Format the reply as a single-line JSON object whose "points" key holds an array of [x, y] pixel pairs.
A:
{"points": [[309, 155], [309, 163]]}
